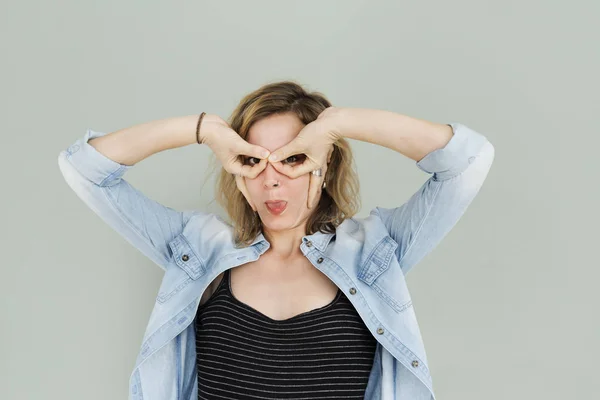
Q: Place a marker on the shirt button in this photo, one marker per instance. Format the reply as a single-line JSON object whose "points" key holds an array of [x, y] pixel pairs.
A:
{"points": [[352, 290], [309, 243], [185, 257], [380, 331], [415, 363], [320, 260]]}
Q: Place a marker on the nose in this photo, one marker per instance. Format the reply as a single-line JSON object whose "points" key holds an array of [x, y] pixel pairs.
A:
{"points": [[271, 177]]}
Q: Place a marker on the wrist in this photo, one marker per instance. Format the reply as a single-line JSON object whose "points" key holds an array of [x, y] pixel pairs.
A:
{"points": [[337, 119], [200, 130]]}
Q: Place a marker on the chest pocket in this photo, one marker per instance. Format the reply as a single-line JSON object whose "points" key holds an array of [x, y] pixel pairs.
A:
{"points": [[186, 267], [382, 272]]}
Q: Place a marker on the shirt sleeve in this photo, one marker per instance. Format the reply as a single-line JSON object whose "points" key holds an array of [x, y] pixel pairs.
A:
{"points": [[98, 182], [458, 172]]}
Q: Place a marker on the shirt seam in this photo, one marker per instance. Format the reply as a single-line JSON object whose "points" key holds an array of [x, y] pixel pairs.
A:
{"points": [[422, 222]]}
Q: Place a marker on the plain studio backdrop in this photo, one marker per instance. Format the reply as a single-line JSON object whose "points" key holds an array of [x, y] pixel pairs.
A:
{"points": [[507, 303]]}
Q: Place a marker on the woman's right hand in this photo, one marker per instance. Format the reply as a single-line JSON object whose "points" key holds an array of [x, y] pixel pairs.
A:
{"points": [[231, 150]]}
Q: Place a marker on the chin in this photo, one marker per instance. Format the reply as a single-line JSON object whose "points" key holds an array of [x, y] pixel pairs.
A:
{"points": [[278, 225], [279, 222]]}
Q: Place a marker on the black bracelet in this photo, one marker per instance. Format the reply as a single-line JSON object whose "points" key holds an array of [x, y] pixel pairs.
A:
{"points": [[198, 128]]}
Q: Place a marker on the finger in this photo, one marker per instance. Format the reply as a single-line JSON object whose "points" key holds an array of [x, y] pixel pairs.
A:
{"points": [[243, 150], [312, 182], [247, 171], [241, 185], [315, 187], [253, 150], [313, 190], [252, 171], [294, 147]]}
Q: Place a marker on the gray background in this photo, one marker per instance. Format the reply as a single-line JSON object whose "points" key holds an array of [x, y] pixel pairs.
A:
{"points": [[507, 303]]}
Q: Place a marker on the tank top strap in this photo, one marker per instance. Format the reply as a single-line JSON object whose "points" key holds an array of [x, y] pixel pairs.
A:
{"points": [[225, 281]]}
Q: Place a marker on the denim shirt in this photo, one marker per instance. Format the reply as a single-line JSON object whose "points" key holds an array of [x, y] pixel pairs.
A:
{"points": [[367, 258]]}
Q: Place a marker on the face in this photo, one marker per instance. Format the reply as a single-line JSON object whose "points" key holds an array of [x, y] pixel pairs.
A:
{"points": [[272, 133]]}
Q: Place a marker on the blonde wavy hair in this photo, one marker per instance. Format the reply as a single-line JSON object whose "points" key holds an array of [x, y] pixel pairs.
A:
{"points": [[339, 200]]}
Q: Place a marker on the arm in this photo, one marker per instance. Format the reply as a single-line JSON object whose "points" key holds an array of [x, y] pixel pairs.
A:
{"points": [[93, 167], [131, 145], [458, 158]]}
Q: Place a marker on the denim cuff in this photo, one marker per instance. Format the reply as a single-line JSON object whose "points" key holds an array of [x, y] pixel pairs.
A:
{"points": [[455, 157], [92, 164]]}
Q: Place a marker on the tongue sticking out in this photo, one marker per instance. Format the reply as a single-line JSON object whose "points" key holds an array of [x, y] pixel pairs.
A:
{"points": [[277, 208]]}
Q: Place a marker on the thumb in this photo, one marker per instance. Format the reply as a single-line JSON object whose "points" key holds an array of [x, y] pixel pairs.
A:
{"points": [[284, 152], [253, 150]]}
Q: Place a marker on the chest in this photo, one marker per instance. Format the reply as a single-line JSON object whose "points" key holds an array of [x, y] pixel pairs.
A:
{"points": [[279, 290]]}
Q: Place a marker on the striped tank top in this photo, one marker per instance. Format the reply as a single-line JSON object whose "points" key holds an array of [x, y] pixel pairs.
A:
{"points": [[324, 353]]}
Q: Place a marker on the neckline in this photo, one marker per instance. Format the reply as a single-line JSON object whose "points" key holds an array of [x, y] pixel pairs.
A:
{"points": [[277, 321]]}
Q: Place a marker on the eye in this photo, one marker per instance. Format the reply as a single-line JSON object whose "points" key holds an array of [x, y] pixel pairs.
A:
{"points": [[251, 161], [296, 158]]}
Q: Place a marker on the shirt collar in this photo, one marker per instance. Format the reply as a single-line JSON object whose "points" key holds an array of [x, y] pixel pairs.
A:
{"points": [[319, 239]]}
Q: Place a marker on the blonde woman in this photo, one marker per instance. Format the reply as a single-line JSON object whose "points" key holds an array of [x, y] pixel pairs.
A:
{"points": [[293, 296]]}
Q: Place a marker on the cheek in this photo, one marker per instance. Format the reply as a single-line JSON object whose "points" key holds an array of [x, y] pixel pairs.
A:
{"points": [[253, 187], [300, 189]]}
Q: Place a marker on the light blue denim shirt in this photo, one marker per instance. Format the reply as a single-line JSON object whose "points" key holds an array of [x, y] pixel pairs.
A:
{"points": [[367, 258]]}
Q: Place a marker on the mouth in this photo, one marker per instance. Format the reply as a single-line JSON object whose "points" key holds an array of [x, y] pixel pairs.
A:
{"points": [[276, 207]]}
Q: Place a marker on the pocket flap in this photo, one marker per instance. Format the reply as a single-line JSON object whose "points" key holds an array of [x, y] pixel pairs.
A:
{"points": [[378, 261]]}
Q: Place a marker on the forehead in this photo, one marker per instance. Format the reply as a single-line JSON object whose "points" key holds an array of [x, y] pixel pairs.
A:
{"points": [[274, 131]]}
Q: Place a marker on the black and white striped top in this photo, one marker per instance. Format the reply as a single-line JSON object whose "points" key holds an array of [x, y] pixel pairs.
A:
{"points": [[325, 353]]}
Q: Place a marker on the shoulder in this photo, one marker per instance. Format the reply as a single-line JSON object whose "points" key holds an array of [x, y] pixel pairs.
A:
{"points": [[202, 220], [367, 228], [208, 234], [368, 224]]}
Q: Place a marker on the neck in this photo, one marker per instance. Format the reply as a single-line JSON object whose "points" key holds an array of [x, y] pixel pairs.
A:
{"points": [[285, 245]]}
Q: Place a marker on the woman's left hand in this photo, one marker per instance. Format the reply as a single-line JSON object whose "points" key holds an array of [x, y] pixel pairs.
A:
{"points": [[315, 141]]}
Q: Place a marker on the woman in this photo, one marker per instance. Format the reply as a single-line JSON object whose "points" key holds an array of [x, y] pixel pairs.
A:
{"points": [[294, 297]]}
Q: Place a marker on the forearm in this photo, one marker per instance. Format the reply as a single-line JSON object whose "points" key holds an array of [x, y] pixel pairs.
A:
{"points": [[409, 136], [131, 145]]}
